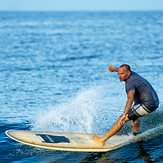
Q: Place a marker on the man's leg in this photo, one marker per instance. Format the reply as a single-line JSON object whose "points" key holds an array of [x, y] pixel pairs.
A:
{"points": [[135, 125], [114, 129]]}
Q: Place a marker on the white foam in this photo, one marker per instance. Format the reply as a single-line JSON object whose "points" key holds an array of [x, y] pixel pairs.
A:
{"points": [[93, 110]]}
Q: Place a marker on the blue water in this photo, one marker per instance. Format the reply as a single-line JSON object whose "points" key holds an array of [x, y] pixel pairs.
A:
{"points": [[54, 77]]}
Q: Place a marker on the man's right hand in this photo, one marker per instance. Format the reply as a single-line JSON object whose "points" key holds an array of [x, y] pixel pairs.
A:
{"points": [[111, 68]]}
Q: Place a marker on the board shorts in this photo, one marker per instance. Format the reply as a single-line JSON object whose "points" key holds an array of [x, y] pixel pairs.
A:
{"points": [[137, 111]]}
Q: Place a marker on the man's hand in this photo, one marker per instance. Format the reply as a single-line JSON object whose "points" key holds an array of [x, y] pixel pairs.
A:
{"points": [[112, 68], [122, 120]]}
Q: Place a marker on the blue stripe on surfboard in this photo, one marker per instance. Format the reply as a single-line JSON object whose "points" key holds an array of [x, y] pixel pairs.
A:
{"points": [[52, 139]]}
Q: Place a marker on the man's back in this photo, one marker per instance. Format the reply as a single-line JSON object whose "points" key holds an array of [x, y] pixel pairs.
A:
{"points": [[144, 92]]}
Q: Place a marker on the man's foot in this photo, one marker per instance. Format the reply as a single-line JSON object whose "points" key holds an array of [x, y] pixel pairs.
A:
{"points": [[136, 133], [97, 140]]}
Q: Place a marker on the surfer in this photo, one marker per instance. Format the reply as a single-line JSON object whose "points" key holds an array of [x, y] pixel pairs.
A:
{"points": [[138, 91]]}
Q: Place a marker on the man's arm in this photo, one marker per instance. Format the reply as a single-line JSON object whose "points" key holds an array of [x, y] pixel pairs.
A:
{"points": [[130, 98], [112, 68]]}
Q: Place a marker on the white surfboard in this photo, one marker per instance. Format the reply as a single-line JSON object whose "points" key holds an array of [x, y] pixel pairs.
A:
{"points": [[65, 141]]}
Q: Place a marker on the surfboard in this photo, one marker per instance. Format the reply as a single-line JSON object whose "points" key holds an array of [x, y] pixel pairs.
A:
{"points": [[65, 141]]}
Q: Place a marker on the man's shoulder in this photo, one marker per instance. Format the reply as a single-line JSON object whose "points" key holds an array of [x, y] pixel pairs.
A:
{"points": [[135, 76], [132, 77], [134, 73]]}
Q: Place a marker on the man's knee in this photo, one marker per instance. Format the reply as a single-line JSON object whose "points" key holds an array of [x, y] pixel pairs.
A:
{"points": [[127, 119]]}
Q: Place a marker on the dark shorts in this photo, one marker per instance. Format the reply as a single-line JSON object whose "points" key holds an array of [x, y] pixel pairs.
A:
{"points": [[139, 110]]}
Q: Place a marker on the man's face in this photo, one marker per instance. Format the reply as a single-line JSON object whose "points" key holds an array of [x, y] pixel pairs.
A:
{"points": [[123, 74]]}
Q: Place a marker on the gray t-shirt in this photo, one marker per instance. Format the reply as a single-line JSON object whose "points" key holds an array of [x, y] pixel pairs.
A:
{"points": [[144, 92]]}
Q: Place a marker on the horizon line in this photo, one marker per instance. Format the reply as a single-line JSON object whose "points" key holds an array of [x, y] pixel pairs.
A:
{"points": [[81, 10]]}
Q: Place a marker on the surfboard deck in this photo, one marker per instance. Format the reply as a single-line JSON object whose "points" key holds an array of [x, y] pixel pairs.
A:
{"points": [[65, 141]]}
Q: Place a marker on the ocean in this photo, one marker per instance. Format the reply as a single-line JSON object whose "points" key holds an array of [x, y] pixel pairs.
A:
{"points": [[54, 77]]}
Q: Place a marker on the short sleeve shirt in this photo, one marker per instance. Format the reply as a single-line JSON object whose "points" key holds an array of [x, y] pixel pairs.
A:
{"points": [[144, 92]]}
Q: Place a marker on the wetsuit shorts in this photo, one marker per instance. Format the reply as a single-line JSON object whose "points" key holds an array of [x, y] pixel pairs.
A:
{"points": [[137, 111]]}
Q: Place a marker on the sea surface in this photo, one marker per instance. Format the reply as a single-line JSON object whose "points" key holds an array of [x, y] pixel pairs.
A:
{"points": [[54, 77]]}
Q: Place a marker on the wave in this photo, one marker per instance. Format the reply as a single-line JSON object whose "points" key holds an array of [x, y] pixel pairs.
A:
{"points": [[92, 111]]}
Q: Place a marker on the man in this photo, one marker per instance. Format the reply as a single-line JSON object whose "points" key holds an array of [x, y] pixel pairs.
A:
{"points": [[138, 91]]}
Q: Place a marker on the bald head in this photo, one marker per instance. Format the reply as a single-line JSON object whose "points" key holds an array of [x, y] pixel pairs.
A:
{"points": [[127, 67]]}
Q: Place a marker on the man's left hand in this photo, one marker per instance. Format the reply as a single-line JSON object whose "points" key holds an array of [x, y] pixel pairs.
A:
{"points": [[122, 120]]}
